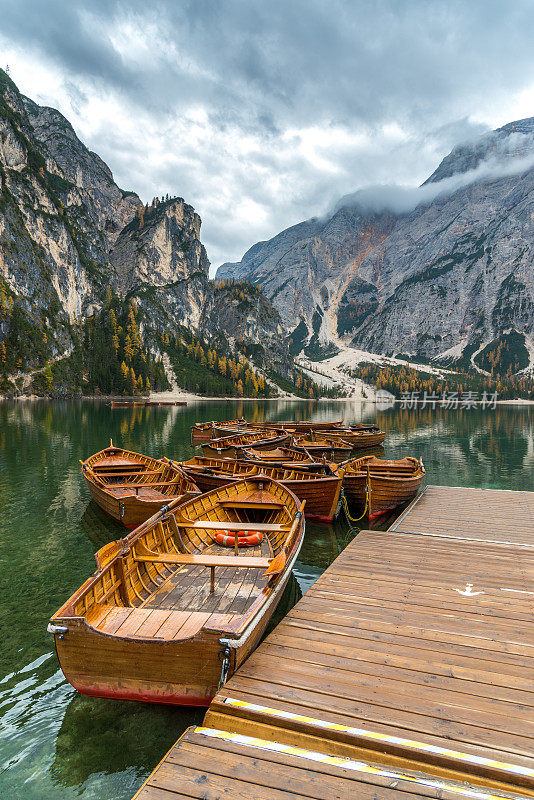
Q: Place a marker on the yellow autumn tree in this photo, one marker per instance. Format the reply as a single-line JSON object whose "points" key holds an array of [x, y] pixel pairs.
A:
{"points": [[3, 298], [49, 378]]}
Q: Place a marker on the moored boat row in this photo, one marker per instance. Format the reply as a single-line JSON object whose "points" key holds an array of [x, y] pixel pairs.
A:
{"points": [[179, 603]]}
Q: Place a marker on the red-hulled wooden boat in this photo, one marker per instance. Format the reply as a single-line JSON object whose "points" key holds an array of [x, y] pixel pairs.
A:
{"points": [[131, 487], [229, 446], [170, 613], [321, 492], [391, 483]]}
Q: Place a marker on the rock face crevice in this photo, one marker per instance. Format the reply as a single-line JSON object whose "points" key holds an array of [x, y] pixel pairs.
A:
{"points": [[456, 268]]}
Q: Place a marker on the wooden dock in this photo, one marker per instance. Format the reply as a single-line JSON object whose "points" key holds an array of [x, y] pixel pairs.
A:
{"points": [[407, 669]]}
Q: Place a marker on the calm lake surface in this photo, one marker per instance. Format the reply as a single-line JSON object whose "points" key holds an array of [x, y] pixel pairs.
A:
{"points": [[57, 744]]}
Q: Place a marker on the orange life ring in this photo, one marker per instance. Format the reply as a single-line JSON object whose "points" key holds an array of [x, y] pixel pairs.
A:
{"points": [[243, 540]]}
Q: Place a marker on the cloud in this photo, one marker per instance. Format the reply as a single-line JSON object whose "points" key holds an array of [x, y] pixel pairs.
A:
{"points": [[262, 114], [499, 157]]}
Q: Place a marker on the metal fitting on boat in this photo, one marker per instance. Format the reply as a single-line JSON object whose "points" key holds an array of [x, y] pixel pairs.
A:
{"points": [[57, 630], [224, 658]]}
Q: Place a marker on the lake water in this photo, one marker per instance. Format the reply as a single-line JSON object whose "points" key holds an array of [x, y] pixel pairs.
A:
{"points": [[56, 743]]}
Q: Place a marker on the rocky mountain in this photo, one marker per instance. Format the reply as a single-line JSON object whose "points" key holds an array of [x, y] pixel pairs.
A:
{"points": [[452, 279], [251, 323], [78, 254]]}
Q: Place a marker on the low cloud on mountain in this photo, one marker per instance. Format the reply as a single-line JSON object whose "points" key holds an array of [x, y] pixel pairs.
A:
{"points": [[511, 155]]}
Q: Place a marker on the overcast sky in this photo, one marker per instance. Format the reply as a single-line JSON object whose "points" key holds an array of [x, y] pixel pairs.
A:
{"points": [[262, 114]]}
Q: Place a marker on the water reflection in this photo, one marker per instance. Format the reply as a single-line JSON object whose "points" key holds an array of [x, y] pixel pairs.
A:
{"points": [[62, 745], [109, 736]]}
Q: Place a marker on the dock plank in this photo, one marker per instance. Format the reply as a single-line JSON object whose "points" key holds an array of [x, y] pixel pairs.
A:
{"points": [[425, 609], [203, 766]]}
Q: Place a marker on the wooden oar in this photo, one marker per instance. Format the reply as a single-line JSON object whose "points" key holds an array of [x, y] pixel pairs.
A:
{"points": [[278, 563]]}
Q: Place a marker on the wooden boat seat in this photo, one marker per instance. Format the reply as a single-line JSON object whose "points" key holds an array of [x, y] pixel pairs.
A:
{"points": [[208, 525], [142, 491], [248, 504], [118, 474], [116, 461], [200, 560], [148, 484]]}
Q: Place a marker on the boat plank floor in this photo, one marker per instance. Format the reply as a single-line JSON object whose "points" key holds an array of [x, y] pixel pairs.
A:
{"points": [[188, 588]]}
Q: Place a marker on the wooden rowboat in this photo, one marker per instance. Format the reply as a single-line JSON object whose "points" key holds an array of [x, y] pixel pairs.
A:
{"points": [[131, 487], [321, 492], [232, 428], [358, 439], [300, 426], [330, 449], [203, 431], [169, 613], [281, 457], [391, 482], [228, 446]]}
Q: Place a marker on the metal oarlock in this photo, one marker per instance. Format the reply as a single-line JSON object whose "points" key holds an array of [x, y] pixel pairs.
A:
{"points": [[224, 658]]}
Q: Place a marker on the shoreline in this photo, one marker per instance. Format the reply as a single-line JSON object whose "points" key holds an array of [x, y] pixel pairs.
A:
{"points": [[171, 397]]}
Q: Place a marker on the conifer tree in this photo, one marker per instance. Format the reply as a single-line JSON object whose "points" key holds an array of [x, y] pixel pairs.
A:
{"points": [[49, 378]]}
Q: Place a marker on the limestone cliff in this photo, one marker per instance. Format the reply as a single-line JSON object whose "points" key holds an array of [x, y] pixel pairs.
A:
{"points": [[74, 247], [159, 258], [444, 280], [252, 324]]}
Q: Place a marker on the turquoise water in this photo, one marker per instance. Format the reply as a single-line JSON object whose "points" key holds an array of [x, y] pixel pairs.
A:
{"points": [[56, 743]]}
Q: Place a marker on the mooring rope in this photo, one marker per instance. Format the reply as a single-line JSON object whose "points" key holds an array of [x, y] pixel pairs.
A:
{"points": [[346, 506]]}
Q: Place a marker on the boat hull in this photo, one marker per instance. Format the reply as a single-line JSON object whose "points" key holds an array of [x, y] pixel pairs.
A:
{"points": [[386, 493], [360, 441], [183, 672], [175, 673], [321, 496], [130, 511]]}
